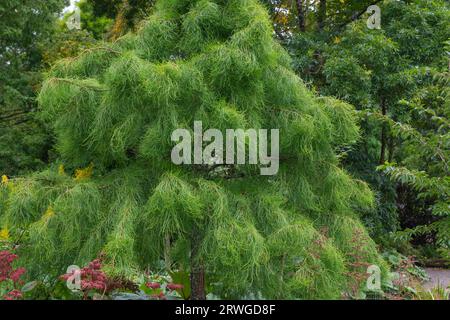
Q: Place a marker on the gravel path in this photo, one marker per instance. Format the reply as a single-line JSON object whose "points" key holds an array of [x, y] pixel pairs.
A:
{"points": [[437, 277]]}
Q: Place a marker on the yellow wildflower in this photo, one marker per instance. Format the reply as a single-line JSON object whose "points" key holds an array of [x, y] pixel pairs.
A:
{"points": [[5, 179], [4, 234], [61, 170], [85, 173], [337, 40], [48, 214]]}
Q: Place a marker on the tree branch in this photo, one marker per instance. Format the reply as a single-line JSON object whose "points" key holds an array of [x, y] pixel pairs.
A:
{"points": [[13, 115]]}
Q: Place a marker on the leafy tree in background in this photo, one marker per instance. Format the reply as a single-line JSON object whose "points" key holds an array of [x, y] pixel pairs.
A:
{"points": [[24, 26], [96, 23], [112, 19], [422, 173], [320, 16], [32, 39], [234, 232], [390, 76]]}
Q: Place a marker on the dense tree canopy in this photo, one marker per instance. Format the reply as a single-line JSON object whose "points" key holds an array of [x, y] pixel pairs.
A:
{"points": [[25, 26], [383, 73]]}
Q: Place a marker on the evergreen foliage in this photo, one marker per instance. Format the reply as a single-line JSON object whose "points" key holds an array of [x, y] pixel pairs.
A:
{"points": [[113, 109]]}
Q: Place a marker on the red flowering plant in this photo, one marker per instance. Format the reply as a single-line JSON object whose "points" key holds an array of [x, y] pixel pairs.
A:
{"points": [[92, 282], [88, 280], [162, 287], [10, 277]]}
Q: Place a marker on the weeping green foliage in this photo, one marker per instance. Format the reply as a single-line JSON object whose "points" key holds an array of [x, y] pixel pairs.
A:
{"points": [[343, 118], [172, 207], [285, 236], [313, 269]]}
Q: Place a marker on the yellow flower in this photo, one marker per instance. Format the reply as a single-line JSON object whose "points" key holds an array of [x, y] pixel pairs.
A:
{"points": [[61, 170], [5, 179], [4, 234], [337, 40], [48, 214], [85, 173]]}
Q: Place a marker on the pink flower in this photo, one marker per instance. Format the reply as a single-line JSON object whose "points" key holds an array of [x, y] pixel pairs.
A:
{"points": [[95, 265], [6, 268], [16, 274], [153, 285], [92, 278], [13, 295]]}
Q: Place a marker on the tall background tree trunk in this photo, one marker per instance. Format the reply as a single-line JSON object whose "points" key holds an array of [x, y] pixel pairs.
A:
{"points": [[383, 132], [322, 14], [120, 23], [197, 269], [167, 259], [301, 15], [391, 146]]}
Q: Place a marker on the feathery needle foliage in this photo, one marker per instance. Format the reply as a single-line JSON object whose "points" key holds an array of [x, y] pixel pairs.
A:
{"points": [[288, 236]]}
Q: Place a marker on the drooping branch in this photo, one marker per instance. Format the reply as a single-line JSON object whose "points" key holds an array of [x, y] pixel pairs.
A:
{"points": [[105, 48], [13, 115], [78, 83], [21, 121]]}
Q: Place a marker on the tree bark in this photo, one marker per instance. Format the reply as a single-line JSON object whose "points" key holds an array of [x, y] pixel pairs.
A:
{"points": [[301, 14], [383, 132], [391, 147], [197, 270], [167, 259], [322, 14], [120, 22]]}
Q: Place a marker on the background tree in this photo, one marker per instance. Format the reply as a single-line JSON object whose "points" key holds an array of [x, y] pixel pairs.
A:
{"points": [[383, 73], [24, 26], [422, 174], [112, 19], [332, 16], [235, 232]]}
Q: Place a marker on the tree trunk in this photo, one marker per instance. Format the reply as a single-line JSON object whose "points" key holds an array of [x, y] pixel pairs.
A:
{"points": [[197, 270], [301, 13], [120, 22], [167, 259], [322, 14], [383, 133], [391, 148]]}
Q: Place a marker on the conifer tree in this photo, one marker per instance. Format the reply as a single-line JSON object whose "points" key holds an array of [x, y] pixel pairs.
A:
{"points": [[235, 232]]}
